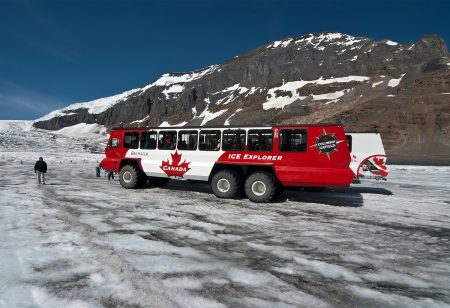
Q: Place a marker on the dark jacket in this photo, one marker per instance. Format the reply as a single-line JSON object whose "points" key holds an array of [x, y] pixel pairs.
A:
{"points": [[40, 166]]}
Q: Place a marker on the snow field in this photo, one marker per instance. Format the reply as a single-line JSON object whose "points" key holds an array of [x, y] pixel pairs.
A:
{"points": [[82, 241]]}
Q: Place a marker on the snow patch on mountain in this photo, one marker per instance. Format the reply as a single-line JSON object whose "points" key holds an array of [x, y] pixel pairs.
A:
{"points": [[391, 43], [228, 89], [284, 99], [341, 79], [94, 107], [232, 93], [170, 79], [328, 96], [329, 38], [167, 124], [227, 121], [395, 82], [83, 130], [252, 91], [176, 88], [208, 115], [140, 121], [236, 87], [227, 99], [281, 101], [376, 84], [284, 43], [316, 40]]}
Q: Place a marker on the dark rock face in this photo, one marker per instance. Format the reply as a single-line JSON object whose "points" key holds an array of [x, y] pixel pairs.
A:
{"points": [[324, 77]]}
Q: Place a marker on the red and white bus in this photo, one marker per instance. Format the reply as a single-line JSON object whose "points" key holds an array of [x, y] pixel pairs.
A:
{"points": [[258, 160]]}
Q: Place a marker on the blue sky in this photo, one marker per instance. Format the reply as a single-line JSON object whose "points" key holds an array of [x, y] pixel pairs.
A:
{"points": [[54, 53]]}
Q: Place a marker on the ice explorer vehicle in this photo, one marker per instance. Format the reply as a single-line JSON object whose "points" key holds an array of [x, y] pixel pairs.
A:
{"points": [[257, 159]]}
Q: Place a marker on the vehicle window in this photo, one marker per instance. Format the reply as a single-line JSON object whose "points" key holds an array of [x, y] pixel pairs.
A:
{"points": [[187, 140], [349, 142], [260, 140], [148, 140], [293, 140], [209, 140], [113, 142], [167, 140], [233, 140], [131, 140]]}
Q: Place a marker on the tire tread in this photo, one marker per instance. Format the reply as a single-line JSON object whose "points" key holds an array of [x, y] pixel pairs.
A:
{"points": [[271, 185], [235, 183]]}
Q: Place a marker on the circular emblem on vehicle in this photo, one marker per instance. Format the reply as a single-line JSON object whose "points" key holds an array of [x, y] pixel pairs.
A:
{"points": [[326, 143]]}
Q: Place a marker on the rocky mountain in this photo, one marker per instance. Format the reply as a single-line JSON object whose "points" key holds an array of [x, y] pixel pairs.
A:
{"points": [[403, 91]]}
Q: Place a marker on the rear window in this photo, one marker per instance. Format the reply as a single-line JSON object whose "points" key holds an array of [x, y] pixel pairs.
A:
{"points": [[148, 140], [293, 140], [131, 140], [260, 140], [233, 140]]}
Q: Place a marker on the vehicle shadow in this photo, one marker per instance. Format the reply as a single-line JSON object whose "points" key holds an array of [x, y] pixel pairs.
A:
{"points": [[334, 197], [372, 190], [348, 197], [196, 186]]}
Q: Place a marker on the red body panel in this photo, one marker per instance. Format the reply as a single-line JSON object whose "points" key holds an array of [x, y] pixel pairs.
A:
{"points": [[309, 168]]}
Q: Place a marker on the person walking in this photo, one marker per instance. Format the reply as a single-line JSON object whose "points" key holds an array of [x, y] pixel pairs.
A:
{"points": [[110, 175], [97, 169], [40, 167]]}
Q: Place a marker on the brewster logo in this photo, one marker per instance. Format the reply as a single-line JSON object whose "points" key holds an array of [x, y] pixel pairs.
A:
{"points": [[175, 168], [326, 143]]}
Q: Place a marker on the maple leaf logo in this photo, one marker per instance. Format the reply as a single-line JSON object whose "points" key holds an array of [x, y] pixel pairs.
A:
{"points": [[175, 169], [379, 162], [375, 165]]}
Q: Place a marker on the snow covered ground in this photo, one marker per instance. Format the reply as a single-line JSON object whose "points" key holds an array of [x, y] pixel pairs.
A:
{"points": [[82, 241]]}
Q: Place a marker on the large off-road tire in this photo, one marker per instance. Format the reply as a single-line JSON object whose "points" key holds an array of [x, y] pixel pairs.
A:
{"points": [[261, 186], [226, 184], [131, 176]]}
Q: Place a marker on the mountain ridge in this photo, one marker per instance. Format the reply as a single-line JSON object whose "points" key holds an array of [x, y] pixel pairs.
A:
{"points": [[322, 77]]}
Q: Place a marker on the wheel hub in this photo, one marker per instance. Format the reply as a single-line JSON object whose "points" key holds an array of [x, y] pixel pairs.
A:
{"points": [[223, 185], [259, 188], [127, 177]]}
